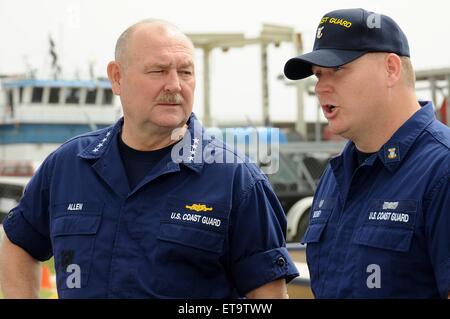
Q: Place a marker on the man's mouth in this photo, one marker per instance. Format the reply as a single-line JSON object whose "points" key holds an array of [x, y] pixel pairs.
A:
{"points": [[330, 107], [329, 110], [169, 104]]}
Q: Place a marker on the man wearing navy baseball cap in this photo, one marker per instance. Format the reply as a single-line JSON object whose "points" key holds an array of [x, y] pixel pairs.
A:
{"points": [[380, 220]]}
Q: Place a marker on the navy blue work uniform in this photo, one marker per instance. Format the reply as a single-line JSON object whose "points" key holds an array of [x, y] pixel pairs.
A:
{"points": [[382, 229], [189, 229]]}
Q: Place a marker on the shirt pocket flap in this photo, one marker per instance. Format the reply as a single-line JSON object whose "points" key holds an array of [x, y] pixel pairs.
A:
{"points": [[192, 237], [397, 239], [313, 233], [76, 225]]}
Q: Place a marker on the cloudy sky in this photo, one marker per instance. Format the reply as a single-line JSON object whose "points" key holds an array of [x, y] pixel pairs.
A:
{"points": [[85, 32]]}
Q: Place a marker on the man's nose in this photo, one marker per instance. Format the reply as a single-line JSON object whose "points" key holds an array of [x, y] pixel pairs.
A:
{"points": [[323, 85], [172, 81]]}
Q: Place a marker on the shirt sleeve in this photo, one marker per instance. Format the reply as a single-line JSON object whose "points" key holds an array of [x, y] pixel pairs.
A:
{"points": [[257, 240], [437, 219], [27, 225]]}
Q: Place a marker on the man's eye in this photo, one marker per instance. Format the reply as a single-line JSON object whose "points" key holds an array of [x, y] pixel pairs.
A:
{"points": [[185, 72], [155, 71], [317, 74]]}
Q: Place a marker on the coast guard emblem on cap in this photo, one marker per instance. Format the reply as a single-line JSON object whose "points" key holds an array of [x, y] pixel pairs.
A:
{"points": [[319, 32], [392, 153], [390, 205]]}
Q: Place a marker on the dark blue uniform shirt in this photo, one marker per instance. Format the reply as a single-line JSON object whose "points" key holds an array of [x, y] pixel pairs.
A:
{"points": [[190, 229], [382, 229]]}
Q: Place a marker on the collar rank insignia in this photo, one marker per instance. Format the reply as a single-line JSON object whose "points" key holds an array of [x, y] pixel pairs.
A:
{"points": [[392, 153]]}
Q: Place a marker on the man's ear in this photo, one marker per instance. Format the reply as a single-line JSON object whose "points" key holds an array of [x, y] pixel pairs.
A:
{"points": [[393, 65], [114, 75]]}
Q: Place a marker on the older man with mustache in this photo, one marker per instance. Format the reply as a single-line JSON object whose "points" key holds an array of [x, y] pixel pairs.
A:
{"points": [[126, 214]]}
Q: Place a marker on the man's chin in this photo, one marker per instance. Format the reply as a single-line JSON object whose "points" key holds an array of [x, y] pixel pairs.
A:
{"points": [[170, 122], [342, 132]]}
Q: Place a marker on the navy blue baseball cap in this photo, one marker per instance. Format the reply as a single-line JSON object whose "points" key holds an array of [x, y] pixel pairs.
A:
{"points": [[343, 36]]}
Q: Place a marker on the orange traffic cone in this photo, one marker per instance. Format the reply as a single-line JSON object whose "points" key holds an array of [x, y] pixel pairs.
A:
{"points": [[45, 279]]}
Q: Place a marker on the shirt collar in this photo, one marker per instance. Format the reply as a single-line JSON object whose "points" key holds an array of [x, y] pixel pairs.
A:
{"points": [[100, 144], [394, 151], [188, 152]]}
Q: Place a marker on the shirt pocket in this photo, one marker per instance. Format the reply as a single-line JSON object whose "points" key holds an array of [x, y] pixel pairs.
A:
{"points": [[382, 240], [73, 240], [195, 224], [385, 247], [318, 220], [388, 225], [192, 237], [389, 238], [190, 260], [190, 244]]}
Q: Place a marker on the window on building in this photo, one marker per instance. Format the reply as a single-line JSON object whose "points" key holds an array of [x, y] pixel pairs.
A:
{"points": [[72, 96], [10, 94], [107, 97], [91, 96], [36, 96], [54, 96], [20, 94], [11, 98]]}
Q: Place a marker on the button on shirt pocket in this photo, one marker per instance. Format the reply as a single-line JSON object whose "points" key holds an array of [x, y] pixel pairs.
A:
{"points": [[73, 240]]}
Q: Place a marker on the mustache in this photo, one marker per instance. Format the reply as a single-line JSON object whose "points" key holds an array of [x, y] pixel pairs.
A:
{"points": [[170, 98]]}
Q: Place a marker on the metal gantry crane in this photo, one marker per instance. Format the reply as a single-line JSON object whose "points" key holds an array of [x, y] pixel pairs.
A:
{"points": [[270, 34], [437, 81]]}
